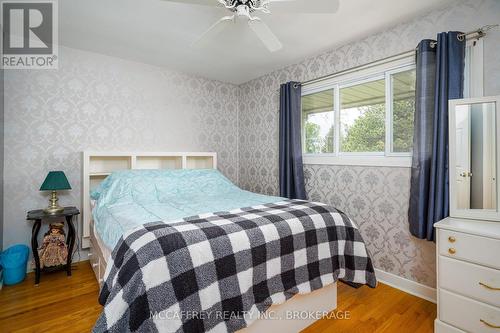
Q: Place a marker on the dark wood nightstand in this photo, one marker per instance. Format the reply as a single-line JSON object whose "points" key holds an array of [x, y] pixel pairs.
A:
{"points": [[39, 216]]}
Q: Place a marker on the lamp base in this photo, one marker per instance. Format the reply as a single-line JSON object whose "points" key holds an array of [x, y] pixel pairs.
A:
{"points": [[53, 208]]}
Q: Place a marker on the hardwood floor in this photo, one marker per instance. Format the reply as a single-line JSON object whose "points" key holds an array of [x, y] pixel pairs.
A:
{"points": [[58, 304], [383, 309], [69, 304]]}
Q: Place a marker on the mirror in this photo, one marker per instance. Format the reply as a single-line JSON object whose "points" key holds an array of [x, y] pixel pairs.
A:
{"points": [[475, 152], [473, 158]]}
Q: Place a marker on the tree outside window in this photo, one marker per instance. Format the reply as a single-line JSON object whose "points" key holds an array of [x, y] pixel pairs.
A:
{"points": [[363, 115]]}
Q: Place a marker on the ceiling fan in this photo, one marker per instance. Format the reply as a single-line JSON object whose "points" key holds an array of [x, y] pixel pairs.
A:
{"points": [[245, 9]]}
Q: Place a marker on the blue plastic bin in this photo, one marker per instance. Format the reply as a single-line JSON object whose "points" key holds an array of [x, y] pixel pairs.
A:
{"points": [[14, 261]]}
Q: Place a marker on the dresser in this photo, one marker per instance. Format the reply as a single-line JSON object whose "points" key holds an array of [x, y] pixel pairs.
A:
{"points": [[468, 276]]}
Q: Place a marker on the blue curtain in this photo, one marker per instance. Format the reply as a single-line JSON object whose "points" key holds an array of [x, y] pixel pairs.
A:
{"points": [[291, 169], [440, 77]]}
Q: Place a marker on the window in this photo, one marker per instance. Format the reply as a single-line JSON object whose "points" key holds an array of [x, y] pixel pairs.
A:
{"points": [[318, 122], [365, 115], [403, 110], [362, 117]]}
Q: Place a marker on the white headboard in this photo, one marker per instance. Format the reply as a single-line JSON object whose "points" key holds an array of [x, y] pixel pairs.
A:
{"points": [[98, 165]]}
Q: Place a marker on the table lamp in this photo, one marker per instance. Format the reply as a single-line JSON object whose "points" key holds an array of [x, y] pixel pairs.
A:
{"points": [[55, 181]]}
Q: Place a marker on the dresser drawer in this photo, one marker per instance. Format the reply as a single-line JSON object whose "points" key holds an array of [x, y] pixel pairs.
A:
{"points": [[467, 314], [471, 280], [440, 327], [476, 249]]}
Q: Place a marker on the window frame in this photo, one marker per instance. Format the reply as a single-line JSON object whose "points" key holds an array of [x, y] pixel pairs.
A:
{"points": [[352, 84], [377, 71], [303, 136], [389, 113]]}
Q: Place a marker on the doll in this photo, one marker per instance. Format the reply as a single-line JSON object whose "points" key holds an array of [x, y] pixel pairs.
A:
{"points": [[53, 251]]}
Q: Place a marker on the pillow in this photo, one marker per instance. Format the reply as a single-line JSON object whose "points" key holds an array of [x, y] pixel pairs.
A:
{"points": [[148, 186]]}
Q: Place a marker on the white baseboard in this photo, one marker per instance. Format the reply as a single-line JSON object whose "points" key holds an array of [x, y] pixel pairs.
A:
{"points": [[408, 286]]}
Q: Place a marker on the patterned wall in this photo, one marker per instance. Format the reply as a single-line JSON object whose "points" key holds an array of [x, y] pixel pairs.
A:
{"points": [[104, 103], [376, 198], [95, 102]]}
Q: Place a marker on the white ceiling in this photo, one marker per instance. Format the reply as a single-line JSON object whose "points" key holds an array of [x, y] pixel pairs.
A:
{"points": [[160, 33]]}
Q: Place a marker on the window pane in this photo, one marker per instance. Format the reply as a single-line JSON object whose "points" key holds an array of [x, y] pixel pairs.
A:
{"points": [[403, 109], [362, 117], [318, 120]]}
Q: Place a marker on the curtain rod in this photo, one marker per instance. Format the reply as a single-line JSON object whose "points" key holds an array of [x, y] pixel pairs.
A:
{"points": [[481, 32], [476, 34]]}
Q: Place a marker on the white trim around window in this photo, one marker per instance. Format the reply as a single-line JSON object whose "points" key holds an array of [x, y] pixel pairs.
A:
{"points": [[360, 160]]}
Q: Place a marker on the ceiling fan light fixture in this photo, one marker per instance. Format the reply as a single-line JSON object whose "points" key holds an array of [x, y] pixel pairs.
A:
{"points": [[245, 9]]}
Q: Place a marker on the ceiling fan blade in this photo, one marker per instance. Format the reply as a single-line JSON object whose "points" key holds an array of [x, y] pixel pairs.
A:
{"points": [[213, 3], [265, 35], [213, 31], [304, 6]]}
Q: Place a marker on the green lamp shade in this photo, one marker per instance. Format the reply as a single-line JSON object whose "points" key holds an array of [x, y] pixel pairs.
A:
{"points": [[55, 180]]}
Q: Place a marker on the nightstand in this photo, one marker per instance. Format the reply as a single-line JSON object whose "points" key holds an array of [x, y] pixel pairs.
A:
{"points": [[39, 216]]}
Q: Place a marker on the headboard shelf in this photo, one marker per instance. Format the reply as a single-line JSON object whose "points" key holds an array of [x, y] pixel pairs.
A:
{"points": [[99, 174], [158, 162], [98, 165], [108, 164], [199, 162]]}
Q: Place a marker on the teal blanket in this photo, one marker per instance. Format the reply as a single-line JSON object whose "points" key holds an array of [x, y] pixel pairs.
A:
{"points": [[127, 199]]}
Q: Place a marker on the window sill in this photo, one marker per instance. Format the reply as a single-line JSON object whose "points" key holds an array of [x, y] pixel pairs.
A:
{"points": [[380, 161]]}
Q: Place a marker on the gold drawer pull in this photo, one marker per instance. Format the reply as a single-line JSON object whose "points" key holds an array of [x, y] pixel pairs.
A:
{"points": [[452, 250], [488, 324], [452, 239], [488, 287]]}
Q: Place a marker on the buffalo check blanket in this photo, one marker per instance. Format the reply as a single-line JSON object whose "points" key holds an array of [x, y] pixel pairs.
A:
{"points": [[217, 272]]}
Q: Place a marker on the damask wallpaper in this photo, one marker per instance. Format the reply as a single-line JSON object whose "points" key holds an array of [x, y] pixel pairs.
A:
{"points": [[95, 102], [376, 198]]}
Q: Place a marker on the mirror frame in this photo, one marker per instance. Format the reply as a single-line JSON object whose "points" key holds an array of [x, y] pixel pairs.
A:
{"points": [[477, 214]]}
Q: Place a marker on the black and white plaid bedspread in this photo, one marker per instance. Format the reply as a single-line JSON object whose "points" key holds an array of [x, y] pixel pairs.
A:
{"points": [[217, 272]]}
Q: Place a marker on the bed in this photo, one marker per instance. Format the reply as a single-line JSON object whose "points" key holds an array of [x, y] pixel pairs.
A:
{"points": [[167, 240]]}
